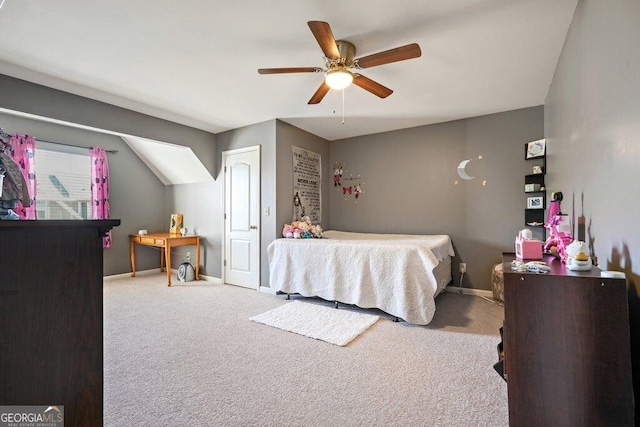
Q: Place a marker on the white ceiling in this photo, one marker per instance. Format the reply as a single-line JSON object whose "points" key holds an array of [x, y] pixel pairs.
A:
{"points": [[195, 61], [172, 164]]}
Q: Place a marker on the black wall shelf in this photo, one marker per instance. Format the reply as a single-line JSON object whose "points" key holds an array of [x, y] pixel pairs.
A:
{"points": [[535, 217]]}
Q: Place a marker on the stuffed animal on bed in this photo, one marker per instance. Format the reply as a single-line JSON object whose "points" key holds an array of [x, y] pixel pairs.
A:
{"points": [[316, 230], [302, 229], [287, 231], [304, 226]]}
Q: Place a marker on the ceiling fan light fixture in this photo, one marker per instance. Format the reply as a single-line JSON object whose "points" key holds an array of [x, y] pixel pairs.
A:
{"points": [[339, 56], [338, 78]]}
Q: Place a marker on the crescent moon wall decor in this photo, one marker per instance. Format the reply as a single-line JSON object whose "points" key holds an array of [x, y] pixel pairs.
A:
{"points": [[462, 172]]}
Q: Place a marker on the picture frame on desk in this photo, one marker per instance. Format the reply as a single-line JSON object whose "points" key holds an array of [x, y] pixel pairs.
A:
{"points": [[177, 223], [535, 149]]}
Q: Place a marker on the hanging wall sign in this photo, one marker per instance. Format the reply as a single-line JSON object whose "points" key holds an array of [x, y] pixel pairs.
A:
{"points": [[307, 183]]}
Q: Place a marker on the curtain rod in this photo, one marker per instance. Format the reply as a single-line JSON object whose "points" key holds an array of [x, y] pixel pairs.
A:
{"points": [[6, 135]]}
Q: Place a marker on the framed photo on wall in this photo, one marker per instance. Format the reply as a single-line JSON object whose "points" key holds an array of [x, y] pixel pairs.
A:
{"points": [[535, 202], [535, 149]]}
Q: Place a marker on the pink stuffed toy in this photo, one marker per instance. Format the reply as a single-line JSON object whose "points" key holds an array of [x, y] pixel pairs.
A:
{"points": [[287, 231]]}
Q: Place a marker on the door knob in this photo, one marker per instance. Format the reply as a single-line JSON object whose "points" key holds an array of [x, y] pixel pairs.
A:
{"points": [[253, 227]]}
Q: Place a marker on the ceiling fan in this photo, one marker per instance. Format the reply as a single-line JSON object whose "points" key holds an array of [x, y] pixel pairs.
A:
{"points": [[340, 59]]}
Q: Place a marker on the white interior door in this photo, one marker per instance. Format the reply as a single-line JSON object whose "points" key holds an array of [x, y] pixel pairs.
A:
{"points": [[242, 217]]}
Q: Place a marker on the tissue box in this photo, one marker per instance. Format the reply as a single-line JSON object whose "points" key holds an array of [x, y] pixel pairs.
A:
{"points": [[528, 188], [528, 249]]}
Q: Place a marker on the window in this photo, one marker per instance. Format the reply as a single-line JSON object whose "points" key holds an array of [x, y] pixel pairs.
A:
{"points": [[63, 184]]}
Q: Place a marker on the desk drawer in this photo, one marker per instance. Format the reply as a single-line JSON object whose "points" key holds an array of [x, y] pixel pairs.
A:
{"points": [[151, 241]]}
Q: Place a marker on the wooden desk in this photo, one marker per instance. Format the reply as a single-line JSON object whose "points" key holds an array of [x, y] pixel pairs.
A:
{"points": [[165, 241]]}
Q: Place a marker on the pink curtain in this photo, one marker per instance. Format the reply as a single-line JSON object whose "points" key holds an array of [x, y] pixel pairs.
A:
{"points": [[21, 150], [100, 189]]}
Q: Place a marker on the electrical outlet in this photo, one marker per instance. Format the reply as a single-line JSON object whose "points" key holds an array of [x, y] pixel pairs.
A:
{"points": [[463, 267], [188, 255]]}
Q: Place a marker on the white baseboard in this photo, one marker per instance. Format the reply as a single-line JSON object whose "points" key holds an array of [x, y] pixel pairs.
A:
{"points": [[267, 290], [203, 278], [125, 275], [470, 291], [212, 280]]}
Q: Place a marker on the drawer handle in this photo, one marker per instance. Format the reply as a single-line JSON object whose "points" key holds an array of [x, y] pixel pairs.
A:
{"points": [[522, 278]]}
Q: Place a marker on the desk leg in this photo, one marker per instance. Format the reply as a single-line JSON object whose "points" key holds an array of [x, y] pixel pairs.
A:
{"points": [[167, 258], [132, 257], [162, 261], [198, 258]]}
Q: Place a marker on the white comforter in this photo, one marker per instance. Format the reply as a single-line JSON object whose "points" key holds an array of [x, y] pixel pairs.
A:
{"points": [[392, 272]]}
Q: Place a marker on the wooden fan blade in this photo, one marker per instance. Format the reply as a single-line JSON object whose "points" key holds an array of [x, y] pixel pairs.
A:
{"points": [[289, 70], [324, 36], [371, 86], [388, 56], [320, 93]]}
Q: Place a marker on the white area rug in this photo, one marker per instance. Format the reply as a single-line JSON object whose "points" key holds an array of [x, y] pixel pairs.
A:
{"points": [[335, 326]]}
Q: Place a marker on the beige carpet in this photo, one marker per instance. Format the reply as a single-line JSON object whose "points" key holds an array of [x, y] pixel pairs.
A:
{"points": [[188, 355]]}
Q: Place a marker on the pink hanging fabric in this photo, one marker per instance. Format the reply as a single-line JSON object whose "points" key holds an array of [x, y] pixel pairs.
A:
{"points": [[22, 150], [100, 189]]}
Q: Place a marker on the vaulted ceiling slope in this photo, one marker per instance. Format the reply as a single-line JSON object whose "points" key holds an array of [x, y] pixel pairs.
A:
{"points": [[195, 62]]}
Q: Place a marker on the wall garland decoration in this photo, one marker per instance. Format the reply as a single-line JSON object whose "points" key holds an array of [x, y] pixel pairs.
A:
{"points": [[354, 189]]}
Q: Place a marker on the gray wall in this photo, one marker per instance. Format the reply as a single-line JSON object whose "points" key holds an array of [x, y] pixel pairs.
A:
{"points": [[290, 136], [592, 126], [138, 206], [407, 178], [409, 185], [200, 206], [20, 95], [264, 135], [275, 138], [138, 198]]}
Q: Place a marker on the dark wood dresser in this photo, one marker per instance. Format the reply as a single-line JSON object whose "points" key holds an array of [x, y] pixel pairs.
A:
{"points": [[566, 348], [51, 316]]}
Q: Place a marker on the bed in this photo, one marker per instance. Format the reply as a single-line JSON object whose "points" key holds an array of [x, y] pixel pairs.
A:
{"points": [[399, 274]]}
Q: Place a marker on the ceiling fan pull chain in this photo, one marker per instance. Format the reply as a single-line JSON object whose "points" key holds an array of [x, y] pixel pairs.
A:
{"points": [[343, 91]]}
